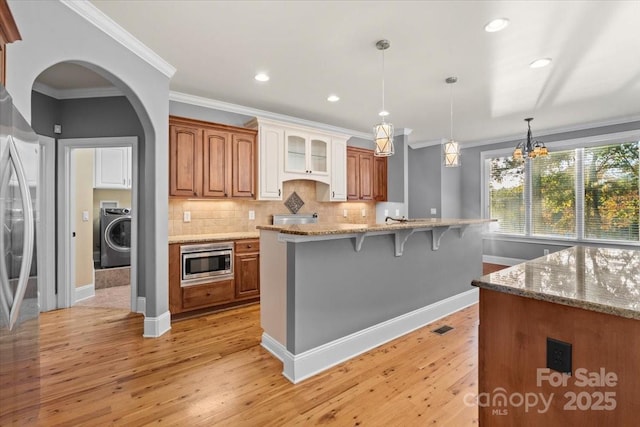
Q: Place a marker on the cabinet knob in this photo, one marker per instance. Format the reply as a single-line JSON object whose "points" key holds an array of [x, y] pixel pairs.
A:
{"points": [[225, 194], [279, 192], [249, 246], [333, 194]]}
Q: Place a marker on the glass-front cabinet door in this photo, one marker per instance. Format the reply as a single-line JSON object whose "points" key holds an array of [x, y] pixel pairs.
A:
{"points": [[318, 159], [296, 152]]}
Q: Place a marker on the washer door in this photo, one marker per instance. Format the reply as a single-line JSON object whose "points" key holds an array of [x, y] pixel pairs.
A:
{"points": [[117, 235]]}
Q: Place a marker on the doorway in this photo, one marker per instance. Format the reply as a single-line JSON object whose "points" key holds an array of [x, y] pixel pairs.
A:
{"points": [[94, 173]]}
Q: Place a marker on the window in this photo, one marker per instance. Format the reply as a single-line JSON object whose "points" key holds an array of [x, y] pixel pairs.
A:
{"points": [[590, 193]]}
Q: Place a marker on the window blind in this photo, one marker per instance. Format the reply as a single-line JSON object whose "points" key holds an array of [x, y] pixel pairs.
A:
{"points": [[506, 194]]}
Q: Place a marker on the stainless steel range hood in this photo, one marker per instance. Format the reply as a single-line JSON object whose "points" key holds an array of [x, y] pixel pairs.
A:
{"points": [[287, 219]]}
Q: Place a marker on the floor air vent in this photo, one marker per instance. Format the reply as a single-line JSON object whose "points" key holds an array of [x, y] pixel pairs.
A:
{"points": [[442, 330]]}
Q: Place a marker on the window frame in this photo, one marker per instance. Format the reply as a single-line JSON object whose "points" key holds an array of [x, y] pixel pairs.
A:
{"points": [[579, 144]]}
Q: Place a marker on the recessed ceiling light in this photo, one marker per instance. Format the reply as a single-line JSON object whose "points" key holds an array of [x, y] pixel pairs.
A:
{"points": [[383, 113], [262, 77], [333, 98], [496, 25], [539, 63]]}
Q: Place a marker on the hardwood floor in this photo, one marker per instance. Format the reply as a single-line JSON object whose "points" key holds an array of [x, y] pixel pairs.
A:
{"points": [[97, 369]]}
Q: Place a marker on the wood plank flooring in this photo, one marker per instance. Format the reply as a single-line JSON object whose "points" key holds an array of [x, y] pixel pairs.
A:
{"points": [[97, 369]]}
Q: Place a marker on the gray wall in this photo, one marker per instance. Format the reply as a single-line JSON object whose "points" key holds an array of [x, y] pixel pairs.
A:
{"points": [[395, 170], [45, 112], [349, 291], [424, 181]]}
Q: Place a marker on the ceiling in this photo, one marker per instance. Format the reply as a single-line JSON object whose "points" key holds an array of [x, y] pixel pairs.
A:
{"points": [[312, 49], [66, 75]]}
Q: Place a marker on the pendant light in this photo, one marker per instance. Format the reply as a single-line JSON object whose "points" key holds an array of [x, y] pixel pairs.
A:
{"points": [[451, 148], [530, 149], [383, 132]]}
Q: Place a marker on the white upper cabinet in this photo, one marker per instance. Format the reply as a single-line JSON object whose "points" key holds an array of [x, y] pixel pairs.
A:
{"points": [[307, 155], [288, 152], [112, 168], [270, 141]]}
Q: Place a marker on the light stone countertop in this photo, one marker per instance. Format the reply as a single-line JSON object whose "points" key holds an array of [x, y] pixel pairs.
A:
{"points": [[331, 229], [605, 280], [215, 237]]}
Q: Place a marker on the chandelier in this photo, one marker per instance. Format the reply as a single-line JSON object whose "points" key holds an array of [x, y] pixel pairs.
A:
{"points": [[383, 132], [530, 149]]}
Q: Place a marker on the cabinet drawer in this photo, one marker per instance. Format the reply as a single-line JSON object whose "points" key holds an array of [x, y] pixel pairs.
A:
{"points": [[207, 295], [246, 246]]}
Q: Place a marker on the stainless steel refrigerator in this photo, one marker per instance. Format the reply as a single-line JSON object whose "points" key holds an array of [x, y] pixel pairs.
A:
{"points": [[19, 310]]}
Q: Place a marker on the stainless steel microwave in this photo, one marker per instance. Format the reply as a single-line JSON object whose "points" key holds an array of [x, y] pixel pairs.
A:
{"points": [[206, 263]]}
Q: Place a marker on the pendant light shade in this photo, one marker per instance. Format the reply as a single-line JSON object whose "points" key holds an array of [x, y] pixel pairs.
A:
{"points": [[451, 148], [383, 132]]}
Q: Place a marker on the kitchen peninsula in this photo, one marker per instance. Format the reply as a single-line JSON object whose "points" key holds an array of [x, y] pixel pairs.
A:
{"points": [[332, 291], [586, 297]]}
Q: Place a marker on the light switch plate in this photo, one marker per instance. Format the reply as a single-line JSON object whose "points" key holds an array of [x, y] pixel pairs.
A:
{"points": [[344, 213], [364, 212], [434, 211], [85, 216], [186, 217], [252, 214]]}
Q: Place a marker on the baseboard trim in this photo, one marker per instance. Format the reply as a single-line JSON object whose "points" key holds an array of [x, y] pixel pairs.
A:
{"points": [[298, 367], [490, 259], [156, 326], [141, 305], [84, 292]]}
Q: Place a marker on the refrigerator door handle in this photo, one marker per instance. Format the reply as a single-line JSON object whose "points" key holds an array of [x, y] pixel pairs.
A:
{"points": [[11, 303]]}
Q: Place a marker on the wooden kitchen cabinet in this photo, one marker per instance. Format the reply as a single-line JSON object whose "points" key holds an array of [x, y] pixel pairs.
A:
{"points": [[8, 34], [242, 289], [208, 160], [247, 268], [366, 175]]}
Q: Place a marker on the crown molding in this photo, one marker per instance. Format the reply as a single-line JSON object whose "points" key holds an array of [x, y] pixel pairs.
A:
{"points": [[96, 17], [553, 131], [404, 131], [90, 92], [263, 114], [423, 144]]}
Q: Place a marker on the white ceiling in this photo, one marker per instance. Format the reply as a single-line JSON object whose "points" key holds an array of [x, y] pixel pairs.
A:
{"points": [[314, 48]]}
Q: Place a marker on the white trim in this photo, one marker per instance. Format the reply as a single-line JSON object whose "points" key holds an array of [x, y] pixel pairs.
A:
{"points": [[424, 144], [539, 240], [96, 17], [46, 234], [262, 114], [400, 131], [88, 92], [84, 292], [274, 347], [490, 259], [65, 242], [141, 305], [554, 131], [156, 326], [298, 367]]}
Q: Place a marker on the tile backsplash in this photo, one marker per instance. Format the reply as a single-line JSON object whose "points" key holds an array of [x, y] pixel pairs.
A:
{"points": [[223, 216]]}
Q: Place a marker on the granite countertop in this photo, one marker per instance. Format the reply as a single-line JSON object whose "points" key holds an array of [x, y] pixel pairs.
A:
{"points": [[329, 229], [605, 280], [214, 237]]}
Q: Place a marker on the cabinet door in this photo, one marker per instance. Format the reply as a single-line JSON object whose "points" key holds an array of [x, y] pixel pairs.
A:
{"points": [[366, 176], [247, 275], [380, 179], [216, 156], [318, 155], [111, 168], [353, 175], [295, 152], [271, 149], [338, 169], [185, 161], [243, 151]]}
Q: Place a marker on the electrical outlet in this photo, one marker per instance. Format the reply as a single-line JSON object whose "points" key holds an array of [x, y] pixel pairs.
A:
{"points": [[364, 212], [386, 213], [559, 356], [186, 216], [344, 213], [545, 251], [434, 211], [252, 215], [397, 213]]}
